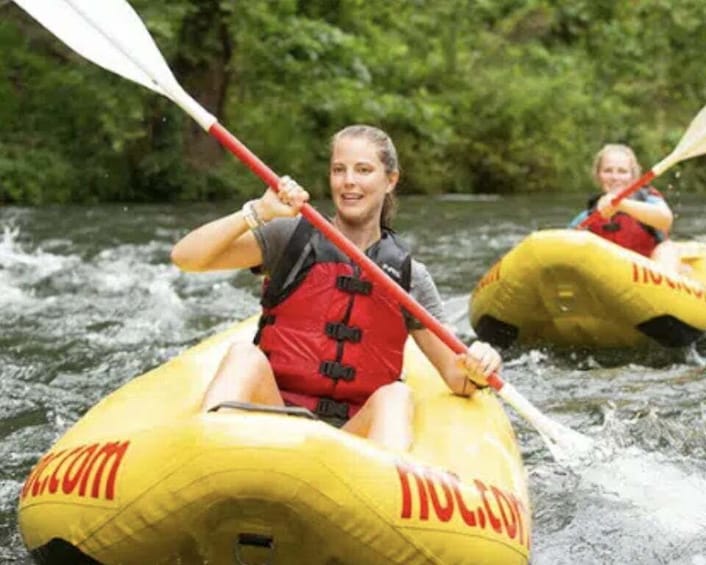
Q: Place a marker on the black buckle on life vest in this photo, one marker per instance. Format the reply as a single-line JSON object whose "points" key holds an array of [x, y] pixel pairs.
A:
{"points": [[330, 408], [353, 285], [336, 370], [611, 227], [342, 332]]}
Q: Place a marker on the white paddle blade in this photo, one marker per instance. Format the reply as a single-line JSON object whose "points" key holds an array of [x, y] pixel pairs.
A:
{"points": [[101, 31], [566, 445], [692, 144]]}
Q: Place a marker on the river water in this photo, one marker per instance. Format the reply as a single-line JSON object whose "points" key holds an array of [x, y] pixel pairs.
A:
{"points": [[88, 300]]}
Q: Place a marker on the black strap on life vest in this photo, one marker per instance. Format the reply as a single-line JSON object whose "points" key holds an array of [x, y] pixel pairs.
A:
{"points": [[275, 292], [307, 246], [265, 320]]}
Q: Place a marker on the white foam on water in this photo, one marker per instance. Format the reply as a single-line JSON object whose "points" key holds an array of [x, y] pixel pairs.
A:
{"points": [[9, 490], [12, 256], [671, 498], [113, 282], [19, 270], [531, 359], [8, 245], [10, 294], [694, 358]]}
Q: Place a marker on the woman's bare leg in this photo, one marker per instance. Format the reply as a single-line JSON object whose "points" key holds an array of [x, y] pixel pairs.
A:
{"points": [[386, 417], [667, 254], [244, 375]]}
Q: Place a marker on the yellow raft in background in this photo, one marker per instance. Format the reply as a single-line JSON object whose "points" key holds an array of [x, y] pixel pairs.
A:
{"points": [[571, 287], [144, 477]]}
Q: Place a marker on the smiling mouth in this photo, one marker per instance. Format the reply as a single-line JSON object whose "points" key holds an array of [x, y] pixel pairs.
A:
{"points": [[351, 197]]}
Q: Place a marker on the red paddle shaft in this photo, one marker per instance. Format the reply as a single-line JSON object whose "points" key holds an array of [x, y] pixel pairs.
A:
{"points": [[634, 187], [251, 160]]}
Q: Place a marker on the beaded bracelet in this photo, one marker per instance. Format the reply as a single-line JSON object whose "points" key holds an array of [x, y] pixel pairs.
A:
{"points": [[251, 216]]}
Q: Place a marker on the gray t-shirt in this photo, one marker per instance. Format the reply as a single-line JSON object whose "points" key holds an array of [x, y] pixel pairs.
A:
{"points": [[274, 236]]}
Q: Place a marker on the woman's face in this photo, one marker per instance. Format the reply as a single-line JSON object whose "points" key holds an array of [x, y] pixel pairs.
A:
{"points": [[358, 180], [615, 171]]}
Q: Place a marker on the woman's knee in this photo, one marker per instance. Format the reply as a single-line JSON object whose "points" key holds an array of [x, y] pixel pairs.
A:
{"points": [[239, 375], [245, 357], [397, 394], [391, 416]]}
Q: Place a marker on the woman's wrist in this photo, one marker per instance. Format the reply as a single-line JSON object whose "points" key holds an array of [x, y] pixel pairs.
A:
{"points": [[252, 213], [257, 205]]}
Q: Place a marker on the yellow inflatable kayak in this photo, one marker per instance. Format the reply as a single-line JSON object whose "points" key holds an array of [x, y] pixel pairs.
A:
{"points": [[571, 287], [144, 477]]}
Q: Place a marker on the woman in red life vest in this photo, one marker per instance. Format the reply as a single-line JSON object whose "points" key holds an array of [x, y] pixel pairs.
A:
{"points": [[640, 222], [328, 339]]}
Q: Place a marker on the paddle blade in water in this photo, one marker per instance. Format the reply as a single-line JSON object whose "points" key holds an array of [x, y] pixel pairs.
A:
{"points": [[692, 144], [566, 445]]}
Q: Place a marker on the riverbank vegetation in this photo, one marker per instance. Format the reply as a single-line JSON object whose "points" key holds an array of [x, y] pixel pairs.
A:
{"points": [[480, 96]]}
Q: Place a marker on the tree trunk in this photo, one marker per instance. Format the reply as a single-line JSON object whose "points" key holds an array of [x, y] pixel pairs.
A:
{"points": [[201, 66]]}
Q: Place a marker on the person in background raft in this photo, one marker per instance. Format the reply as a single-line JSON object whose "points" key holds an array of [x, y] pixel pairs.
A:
{"points": [[328, 339], [640, 222]]}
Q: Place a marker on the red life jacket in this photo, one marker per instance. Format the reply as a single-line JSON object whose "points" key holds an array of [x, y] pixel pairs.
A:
{"points": [[624, 230], [331, 336]]}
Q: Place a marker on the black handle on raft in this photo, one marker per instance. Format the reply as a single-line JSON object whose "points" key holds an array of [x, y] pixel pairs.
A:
{"points": [[247, 406]]}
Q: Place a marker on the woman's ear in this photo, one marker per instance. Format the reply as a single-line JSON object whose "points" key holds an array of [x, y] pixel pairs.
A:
{"points": [[392, 178]]}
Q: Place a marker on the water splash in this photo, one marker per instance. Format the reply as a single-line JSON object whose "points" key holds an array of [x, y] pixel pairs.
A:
{"points": [[670, 496], [663, 489], [21, 271], [532, 360], [693, 357], [14, 258]]}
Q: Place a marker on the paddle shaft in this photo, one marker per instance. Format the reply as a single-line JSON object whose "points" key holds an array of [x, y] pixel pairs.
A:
{"points": [[252, 161], [634, 187]]}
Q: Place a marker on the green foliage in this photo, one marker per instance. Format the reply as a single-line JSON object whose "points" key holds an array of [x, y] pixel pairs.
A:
{"points": [[479, 96]]}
